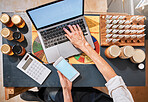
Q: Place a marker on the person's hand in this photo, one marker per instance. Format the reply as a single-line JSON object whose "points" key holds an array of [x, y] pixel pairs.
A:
{"points": [[75, 35], [65, 83]]}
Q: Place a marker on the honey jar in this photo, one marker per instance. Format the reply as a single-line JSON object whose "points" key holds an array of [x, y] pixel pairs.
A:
{"points": [[7, 49], [18, 50], [5, 19], [18, 36], [6, 33], [18, 21]]}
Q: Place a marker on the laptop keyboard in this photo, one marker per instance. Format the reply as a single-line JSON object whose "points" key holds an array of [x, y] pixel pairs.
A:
{"points": [[56, 35]]}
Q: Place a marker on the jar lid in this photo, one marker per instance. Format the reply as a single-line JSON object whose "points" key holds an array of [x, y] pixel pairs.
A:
{"points": [[4, 18], [16, 35], [128, 51], [17, 49], [139, 56], [5, 32], [114, 50], [5, 48], [16, 19]]}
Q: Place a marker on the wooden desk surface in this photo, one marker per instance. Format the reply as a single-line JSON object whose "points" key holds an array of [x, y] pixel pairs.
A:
{"points": [[93, 6]]}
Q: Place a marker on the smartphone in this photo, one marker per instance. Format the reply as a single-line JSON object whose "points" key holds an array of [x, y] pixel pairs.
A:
{"points": [[66, 69]]}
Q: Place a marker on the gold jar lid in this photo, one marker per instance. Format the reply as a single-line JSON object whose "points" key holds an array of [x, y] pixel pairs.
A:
{"points": [[4, 18], [128, 51], [114, 50], [138, 56], [16, 19], [5, 32], [5, 48]]}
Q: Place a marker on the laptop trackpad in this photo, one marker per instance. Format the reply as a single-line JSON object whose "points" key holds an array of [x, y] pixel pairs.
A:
{"points": [[67, 49], [52, 54]]}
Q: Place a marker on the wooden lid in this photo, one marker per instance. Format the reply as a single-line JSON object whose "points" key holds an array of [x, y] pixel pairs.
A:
{"points": [[4, 18], [16, 19], [114, 50], [5, 32], [128, 51], [139, 56], [5, 48]]}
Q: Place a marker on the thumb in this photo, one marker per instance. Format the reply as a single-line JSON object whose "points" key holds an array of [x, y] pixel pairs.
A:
{"points": [[60, 75]]}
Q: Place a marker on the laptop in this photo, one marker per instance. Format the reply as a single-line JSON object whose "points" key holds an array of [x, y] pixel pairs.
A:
{"points": [[49, 21]]}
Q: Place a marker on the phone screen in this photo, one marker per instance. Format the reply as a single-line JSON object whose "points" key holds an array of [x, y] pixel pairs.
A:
{"points": [[66, 69]]}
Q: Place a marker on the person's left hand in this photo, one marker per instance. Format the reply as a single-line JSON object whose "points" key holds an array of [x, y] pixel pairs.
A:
{"points": [[65, 83]]}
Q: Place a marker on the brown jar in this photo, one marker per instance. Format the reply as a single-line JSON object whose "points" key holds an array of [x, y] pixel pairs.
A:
{"points": [[112, 51], [7, 49], [138, 56], [6, 33], [5, 19], [126, 52], [18, 21], [18, 50], [18, 36]]}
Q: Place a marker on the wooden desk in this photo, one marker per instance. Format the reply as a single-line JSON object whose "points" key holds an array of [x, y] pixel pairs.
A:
{"points": [[91, 6]]}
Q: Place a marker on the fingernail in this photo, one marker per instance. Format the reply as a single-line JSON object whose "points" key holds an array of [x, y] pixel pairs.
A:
{"points": [[64, 28], [77, 25], [69, 25]]}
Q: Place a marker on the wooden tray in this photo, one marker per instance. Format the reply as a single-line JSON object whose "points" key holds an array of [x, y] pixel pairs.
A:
{"points": [[122, 42]]}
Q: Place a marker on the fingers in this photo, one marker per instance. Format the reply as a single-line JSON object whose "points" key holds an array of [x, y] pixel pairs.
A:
{"points": [[79, 28], [75, 28], [66, 31], [68, 37], [60, 75], [80, 31], [71, 28]]}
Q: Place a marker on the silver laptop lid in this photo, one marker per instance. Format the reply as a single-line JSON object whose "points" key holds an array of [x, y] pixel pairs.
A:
{"points": [[55, 12]]}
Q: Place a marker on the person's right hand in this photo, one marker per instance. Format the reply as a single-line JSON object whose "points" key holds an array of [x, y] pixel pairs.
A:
{"points": [[65, 83], [76, 36]]}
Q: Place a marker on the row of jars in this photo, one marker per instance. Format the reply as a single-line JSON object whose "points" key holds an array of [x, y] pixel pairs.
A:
{"points": [[11, 21], [125, 52], [16, 49], [10, 35]]}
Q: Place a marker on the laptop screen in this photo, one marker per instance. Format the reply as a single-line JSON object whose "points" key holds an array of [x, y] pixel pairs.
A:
{"points": [[56, 12]]}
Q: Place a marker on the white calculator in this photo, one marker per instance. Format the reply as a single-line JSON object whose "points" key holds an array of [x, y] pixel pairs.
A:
{"points": [[33, 68]]}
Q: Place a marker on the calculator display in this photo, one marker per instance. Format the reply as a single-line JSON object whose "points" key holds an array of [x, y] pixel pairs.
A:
{"points": [[27, 63]]}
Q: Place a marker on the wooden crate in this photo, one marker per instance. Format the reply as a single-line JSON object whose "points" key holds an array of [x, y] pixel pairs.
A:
{"points": [[122, 42]]}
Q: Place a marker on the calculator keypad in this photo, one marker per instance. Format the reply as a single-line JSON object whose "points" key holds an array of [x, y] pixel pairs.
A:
{"points": [[35, 70]]}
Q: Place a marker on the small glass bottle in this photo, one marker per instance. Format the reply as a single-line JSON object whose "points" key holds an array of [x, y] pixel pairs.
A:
{"points": [[18, 36], [5, 19], [6, 33], [18, 21], [18, 50], [7, 49]]}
